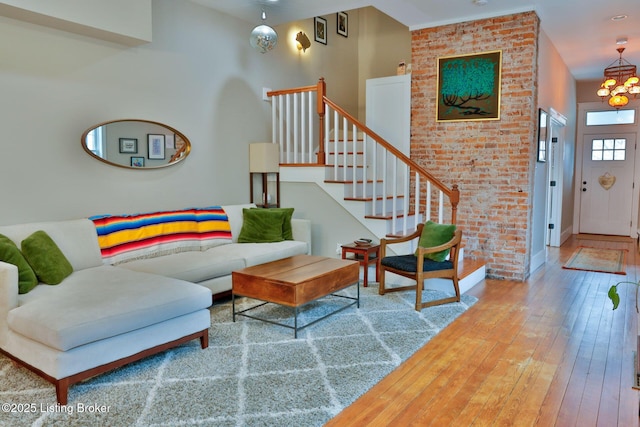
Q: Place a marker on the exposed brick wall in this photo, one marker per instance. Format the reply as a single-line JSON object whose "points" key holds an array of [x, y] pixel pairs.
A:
{"points": [[491, 161]]}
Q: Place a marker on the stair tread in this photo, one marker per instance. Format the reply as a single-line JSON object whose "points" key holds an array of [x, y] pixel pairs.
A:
{"points": [[387, 217], [331, 181], [369, 199], [467, 266]]}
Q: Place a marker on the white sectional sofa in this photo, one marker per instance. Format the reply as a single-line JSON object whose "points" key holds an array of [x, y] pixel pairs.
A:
{"points": [[103, 316]]}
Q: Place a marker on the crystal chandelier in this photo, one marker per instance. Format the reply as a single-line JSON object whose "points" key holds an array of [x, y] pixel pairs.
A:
{"points": [[620, 79], [263, 37]]}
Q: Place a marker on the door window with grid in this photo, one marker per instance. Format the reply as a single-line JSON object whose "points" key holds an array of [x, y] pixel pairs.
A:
{"points": [[609, 149]]}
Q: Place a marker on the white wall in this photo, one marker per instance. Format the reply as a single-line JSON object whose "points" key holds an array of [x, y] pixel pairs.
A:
{"points": [[586, 91], [336, 61], [199, 75], [331, 224], [124, 21], [57, 84], [556, 90], [384, 42]]}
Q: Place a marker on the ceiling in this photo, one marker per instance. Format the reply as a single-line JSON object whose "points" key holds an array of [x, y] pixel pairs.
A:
{"points": [[581, 30]]}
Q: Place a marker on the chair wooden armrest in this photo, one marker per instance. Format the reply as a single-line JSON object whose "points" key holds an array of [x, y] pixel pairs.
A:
{"points": [[384, 242]]}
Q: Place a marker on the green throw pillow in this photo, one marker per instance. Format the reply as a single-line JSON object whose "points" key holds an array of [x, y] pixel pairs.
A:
{"points": [[261, 226], [434, 234], [46, 258], [10, 253], [287, 231], [5, 239]]}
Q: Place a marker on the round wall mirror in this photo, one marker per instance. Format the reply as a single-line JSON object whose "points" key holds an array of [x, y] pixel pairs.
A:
{"points": [[136, 144]]}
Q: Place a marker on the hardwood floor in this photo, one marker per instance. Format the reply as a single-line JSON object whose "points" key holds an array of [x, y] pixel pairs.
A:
{"points": [[546, 352]]}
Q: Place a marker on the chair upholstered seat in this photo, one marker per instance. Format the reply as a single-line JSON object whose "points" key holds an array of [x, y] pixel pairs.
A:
{"points": [[410, 263]]}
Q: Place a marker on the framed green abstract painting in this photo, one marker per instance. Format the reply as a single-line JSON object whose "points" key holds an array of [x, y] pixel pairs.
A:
{"points": [[469, 87]]}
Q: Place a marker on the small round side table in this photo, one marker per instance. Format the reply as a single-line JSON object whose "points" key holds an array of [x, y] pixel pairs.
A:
{"points": [[365, 255]]}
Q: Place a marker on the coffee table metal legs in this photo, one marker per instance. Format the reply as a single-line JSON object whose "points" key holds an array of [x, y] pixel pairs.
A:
{"points": [[296, 311]]}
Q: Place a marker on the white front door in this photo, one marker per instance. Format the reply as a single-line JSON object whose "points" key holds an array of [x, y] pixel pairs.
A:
{"points": [[607, 184]]}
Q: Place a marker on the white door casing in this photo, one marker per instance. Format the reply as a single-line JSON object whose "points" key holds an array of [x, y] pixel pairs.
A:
{"points": [[556, 153], [547, 193]]}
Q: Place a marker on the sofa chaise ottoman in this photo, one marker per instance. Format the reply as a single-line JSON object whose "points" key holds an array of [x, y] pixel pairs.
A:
{"points": [[99, 317]]}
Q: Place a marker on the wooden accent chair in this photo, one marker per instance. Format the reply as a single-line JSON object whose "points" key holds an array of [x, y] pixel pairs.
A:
{"points": [[420, 268]]}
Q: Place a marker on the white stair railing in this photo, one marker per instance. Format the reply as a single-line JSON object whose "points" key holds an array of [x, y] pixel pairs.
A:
{"points": [[373, 170], [294, 121]]}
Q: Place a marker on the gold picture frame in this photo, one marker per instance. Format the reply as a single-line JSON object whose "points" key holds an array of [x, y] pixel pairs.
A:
{"points": [[469, 87]]}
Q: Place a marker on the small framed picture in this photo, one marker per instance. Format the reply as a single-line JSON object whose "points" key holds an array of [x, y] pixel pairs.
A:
{"points": [[137, 162], [320, 32], [342, 24], [128, 145], [156, 146], [170, 142]]}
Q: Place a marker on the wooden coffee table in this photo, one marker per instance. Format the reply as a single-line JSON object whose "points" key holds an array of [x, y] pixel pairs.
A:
{"points": [[295, 282]]}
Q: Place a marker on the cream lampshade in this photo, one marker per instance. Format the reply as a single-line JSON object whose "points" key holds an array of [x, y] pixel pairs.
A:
{"points": [[264, 157], [264, 174]]}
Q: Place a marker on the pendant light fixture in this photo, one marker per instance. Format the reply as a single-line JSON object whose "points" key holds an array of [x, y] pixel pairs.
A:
{"points": [[263, 38], [620, 79]]}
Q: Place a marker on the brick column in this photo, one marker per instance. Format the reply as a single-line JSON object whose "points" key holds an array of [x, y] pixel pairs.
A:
{"points": [[491, 161]]}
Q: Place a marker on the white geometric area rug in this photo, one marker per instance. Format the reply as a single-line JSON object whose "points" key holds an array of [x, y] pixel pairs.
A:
{"points": [[253, 373]]}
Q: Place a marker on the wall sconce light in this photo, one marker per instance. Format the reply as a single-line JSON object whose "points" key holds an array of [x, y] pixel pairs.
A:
{"points": [[303, 42]]}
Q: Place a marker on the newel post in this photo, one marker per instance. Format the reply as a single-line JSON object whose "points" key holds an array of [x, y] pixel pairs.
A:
{"points": [[322, 90], [454, 198]]}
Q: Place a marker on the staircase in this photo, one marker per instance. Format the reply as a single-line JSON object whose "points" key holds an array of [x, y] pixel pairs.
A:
{"points": [[388, 192]]}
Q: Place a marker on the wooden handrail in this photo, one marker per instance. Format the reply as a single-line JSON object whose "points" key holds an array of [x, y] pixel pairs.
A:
{"points": [[380, 140], [178, 153], [313, 88]]}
